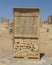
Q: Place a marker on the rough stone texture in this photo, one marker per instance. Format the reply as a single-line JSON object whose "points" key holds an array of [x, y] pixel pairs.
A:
{"points": [[26, 27], [26, 48], [26, 23]]}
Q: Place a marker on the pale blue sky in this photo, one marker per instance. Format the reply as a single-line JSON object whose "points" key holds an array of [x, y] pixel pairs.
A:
{"points": [[7, 5]]}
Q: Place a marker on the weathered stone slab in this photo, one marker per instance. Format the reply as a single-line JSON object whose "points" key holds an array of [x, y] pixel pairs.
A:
{"points": [[26, 33]]}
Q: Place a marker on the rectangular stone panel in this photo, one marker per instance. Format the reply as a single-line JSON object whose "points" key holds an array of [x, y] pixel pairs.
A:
{"points": [[26, 48], [26, 23], [26, 33]]}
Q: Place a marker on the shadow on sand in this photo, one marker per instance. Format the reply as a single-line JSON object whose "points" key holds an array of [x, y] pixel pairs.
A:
{"points": [[41, 55]]}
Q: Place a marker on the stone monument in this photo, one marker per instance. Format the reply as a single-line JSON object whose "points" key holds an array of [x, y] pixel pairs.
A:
{"points": [[26, 33]]}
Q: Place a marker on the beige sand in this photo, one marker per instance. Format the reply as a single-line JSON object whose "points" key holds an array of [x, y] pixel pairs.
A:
{"points": [[6, 45]]}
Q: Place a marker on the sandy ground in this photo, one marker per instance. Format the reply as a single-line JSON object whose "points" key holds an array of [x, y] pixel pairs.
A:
{"points": [[6, 47], [46, 40], [5, 42], [12, 61]]}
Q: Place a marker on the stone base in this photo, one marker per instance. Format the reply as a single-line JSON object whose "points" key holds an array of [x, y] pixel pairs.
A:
{"points": [[26, 48]]}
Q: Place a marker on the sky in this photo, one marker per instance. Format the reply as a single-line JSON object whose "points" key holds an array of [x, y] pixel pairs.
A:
{"points": [[6, 7]]}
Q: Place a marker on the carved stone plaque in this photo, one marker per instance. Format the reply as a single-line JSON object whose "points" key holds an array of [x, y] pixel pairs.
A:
{"points": [[26, 48], [26, 22]]}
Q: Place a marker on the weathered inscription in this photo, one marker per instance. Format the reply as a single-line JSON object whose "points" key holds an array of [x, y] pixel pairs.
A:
{"points": [[29, 47]]}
